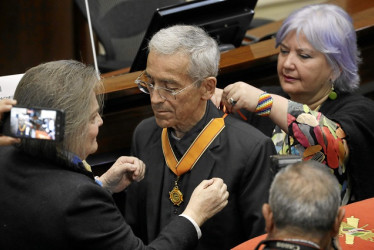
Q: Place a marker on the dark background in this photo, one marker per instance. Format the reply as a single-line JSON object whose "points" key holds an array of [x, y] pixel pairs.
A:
{"points": [[37, 31]]}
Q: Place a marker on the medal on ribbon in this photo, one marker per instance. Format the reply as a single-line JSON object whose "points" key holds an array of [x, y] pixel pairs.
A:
{"points": [[176, 195], [189, 159]]}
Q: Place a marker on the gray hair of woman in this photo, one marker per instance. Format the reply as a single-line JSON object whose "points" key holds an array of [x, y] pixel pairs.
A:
{"points": [[192, 41], [66, 85], [305, 197], [329, 29]]}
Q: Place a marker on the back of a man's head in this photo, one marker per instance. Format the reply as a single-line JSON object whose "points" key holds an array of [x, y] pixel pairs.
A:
{"points": [[305, 198]]}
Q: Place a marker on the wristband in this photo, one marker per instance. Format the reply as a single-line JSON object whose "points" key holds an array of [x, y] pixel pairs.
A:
{"points": [[98, 181], [265, 102]]}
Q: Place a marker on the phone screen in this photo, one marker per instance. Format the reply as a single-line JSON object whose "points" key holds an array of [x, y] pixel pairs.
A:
{"points": [[36, 123]]}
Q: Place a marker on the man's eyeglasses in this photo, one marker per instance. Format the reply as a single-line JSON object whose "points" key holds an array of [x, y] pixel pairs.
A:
{"points": [[146, 85]]}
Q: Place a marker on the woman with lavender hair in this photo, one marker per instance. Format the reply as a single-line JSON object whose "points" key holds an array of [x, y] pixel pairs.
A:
{"points": [[315, 112]]}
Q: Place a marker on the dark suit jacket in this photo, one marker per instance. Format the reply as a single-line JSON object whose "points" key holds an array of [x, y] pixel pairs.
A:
{"points": [[50, 206], [239, 155]]}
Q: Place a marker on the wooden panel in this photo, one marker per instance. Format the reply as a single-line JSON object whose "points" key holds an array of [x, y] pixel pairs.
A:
{"points": [[33, 32]]}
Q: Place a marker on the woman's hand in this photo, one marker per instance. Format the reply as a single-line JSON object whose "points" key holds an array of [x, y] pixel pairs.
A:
{"points": [[240, 95], [207, 199], [123, 172], [217, 96]]}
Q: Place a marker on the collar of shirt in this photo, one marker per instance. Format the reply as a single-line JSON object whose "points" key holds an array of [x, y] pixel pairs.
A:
{"points": [[181, 146]]}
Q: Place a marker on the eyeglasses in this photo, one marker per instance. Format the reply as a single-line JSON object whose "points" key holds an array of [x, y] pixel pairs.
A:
{"points": [[146, 85]]}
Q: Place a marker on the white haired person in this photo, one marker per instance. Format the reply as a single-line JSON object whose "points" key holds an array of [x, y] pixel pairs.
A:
{"points": [[188, 139], [303, 212], [315, 112]]}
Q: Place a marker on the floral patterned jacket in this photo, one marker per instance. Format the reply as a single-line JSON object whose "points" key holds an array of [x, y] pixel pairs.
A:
{"points": [[339, 134]]}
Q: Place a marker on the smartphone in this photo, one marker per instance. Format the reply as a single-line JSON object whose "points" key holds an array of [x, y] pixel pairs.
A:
{"points": [[35, 123]]}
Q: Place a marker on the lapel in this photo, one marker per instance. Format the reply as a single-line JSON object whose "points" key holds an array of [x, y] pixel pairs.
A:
{"points": [[155, 173], [205, 166]]}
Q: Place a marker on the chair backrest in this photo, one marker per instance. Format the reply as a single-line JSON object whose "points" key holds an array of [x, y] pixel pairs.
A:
{"points": [[120, 26]]}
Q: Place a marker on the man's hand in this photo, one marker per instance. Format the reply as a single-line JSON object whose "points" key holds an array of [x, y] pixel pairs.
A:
{"points": [[124, 171], [207, 199]]}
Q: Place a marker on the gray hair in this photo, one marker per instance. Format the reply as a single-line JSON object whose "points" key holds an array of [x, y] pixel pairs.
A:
{"points": [[329, 29], [305, 197], [65, 85], [192, 41]]}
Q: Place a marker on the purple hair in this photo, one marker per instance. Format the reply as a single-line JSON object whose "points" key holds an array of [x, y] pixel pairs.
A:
{"points": [[329, 29]]}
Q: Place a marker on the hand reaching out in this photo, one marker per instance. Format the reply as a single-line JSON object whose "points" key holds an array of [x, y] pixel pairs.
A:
{"points": [[123, 172], [208, 198], [216, 98], [243, 94]]}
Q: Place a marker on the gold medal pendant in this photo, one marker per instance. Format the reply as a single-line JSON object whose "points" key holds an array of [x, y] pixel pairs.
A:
{"points": [[188, 160], [176, 195]]}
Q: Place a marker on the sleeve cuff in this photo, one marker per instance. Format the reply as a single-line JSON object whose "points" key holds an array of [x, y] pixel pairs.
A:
{"points": [[97, 180], [198, 230]]}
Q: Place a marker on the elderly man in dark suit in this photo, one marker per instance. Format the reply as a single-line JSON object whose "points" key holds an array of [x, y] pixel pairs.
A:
{"points": [[189, 140]]}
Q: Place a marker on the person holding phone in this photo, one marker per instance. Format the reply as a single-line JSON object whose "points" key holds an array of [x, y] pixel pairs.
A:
{"points": [[50, 197], [5, 106]]}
